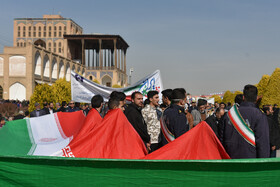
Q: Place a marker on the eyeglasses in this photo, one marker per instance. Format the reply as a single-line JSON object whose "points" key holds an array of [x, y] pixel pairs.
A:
{"points": [[71, 103]]}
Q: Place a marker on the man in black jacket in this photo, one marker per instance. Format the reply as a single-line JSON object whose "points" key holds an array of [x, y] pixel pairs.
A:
{"points": [[46, 107], [134, 116], [37, 112], [215, 121], [274, 134], [174, 121], [245, 131]]}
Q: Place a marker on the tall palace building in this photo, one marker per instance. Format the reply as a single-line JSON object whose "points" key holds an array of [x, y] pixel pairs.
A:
{"points": [[46, 49]]}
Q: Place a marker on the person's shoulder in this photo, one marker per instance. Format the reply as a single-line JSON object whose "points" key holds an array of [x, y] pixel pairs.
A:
{"points": [[43, 111], [146, 108], [211, 117], [129, 109], [194, 111], [174, 110]]}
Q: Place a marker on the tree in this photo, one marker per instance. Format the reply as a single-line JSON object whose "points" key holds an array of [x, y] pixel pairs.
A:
{"points": [[58, 92], [96, 81], [116, 86], [228, 97], [42, 93], [61, 91], [217, 98], [263, 84], [272, 94]]}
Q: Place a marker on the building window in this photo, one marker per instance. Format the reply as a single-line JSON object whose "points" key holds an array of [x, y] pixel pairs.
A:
{"points": [[39, 32], [54, 34], [59, 28], [45, 31], [50, 46], [18, 31], [34, 31], [23, 34], [54, 47], [50, 31], [59, 47], [29, 31], [18, 44], [24, 44], [64, 29]]}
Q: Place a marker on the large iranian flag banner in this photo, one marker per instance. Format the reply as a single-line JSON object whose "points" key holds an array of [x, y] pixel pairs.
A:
{"points": [[82, 89], [41, 135]]}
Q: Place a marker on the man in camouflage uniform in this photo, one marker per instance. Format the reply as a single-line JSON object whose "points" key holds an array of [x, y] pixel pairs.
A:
{"points": [[151, 116]]}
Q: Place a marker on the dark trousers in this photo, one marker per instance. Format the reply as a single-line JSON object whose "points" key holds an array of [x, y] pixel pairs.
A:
{"points": [[154, 147], [272, 153]]}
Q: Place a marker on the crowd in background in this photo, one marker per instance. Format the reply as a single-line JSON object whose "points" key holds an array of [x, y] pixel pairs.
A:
{"points": [[149, 118]]}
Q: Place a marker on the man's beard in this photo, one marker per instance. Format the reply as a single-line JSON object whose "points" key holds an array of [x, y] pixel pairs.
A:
{"points": [[202, 111]]}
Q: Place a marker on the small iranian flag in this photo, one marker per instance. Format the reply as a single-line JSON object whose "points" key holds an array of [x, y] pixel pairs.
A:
{"points": [[42, 135]]}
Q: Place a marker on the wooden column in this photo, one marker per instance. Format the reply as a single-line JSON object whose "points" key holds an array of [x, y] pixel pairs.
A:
{"points": [[112, 57], [100, 54], [122, 59], [115, 54], [83, 51], [125, 61], [119, 64]]}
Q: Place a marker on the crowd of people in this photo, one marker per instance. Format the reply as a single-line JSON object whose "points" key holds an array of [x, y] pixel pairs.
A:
{"points": [[244, 129]]}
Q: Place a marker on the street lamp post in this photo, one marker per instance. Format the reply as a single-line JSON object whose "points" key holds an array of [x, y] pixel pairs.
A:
{"points": [[130, 72]]}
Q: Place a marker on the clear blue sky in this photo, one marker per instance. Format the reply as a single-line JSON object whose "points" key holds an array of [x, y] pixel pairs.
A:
{"points": [[204, 46]]}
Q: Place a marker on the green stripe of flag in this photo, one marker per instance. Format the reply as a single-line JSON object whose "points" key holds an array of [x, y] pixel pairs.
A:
{"points": [[16, 137]]}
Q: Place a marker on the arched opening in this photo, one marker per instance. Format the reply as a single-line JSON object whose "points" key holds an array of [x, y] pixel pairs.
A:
{"points": [[1, 92], [83, 72], [40, 43], [107, 81], [90, 78], [1, 66], [37, 63], [17, 66], [68, 72], [73, 68], [61, 70], [46, 67], [79, 69], [17, 91], [54, 69]]}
